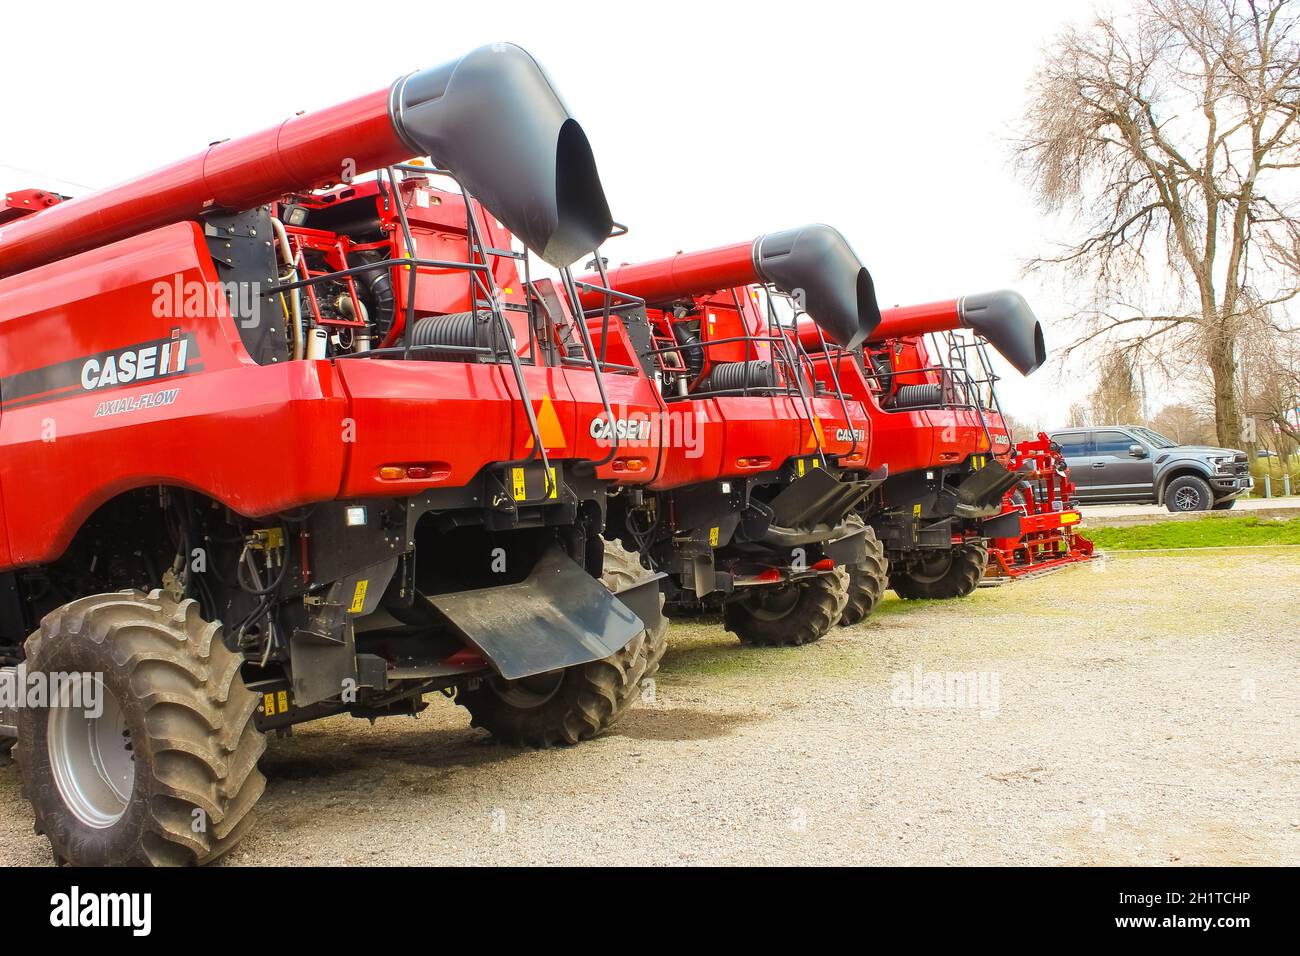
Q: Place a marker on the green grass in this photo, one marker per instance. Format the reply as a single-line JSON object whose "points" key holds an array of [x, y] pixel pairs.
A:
{"points": [[1202, 533]]}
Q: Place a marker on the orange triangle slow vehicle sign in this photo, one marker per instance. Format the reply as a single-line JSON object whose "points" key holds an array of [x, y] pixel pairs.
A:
{"points": [[816, 437], [548, 426]]}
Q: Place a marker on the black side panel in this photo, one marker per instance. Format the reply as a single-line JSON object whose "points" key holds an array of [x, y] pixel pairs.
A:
{"points": [[245, 258]]}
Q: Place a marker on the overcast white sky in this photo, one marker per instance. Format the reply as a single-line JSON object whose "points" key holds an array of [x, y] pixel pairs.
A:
{"points": [[711, 122]]}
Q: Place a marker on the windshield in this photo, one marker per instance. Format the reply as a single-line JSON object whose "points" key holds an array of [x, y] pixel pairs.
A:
{"points": [[1155, 438]]}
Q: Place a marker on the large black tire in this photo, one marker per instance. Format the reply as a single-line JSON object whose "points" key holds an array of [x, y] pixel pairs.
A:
{"points": [[791, 614], [1188, 493], [1225, 505], [182, 720], [867, 582], [577, 703], [951, 574]]}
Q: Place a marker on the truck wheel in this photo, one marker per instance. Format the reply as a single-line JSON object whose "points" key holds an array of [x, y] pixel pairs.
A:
{"points": [[577, 703], [950, 574], [1188, 493], [1225, 505], [789, 615], [165, 772], [867, 582]]}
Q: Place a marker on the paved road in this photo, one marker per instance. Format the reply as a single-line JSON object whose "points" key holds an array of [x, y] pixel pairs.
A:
{"points": [[1243, 504], [1120, 516], [1144, 712]]}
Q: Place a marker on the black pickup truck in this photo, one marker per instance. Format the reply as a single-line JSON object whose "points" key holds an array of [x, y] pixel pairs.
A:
{"points": [[1122, 463]]}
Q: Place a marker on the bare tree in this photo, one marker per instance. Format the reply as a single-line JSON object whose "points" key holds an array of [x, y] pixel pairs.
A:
{"points": [[1270, 386], [1185, 424], [1170, 136], [1115, 400]]}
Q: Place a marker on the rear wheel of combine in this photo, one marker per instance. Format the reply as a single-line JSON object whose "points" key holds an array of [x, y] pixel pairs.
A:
{"points": [[577, 703], [867, 582], [949, 574], [150, 756], [791, 614]]}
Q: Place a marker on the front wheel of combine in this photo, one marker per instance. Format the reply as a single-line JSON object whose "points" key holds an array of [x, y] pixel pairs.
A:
{"points": [[867, 582], [577, 703], [791, 614], [948, 574], [148, 754]]}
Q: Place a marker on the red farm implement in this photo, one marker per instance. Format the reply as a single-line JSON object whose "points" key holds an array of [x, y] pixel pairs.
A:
{"points": [[1043, 499]]}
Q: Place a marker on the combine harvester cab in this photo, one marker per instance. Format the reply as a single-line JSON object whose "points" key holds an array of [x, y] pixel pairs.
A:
{"points": [[342, 455], [744, 511], [1040, 511], [927, 383]]}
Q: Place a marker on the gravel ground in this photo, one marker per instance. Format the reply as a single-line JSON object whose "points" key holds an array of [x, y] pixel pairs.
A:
{"points": [[1140, 710]]}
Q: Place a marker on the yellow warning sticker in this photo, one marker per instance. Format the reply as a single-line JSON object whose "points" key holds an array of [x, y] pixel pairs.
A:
{"points": [[282, 700], [359, 596], [713, 537], [800, 466], [916, 511], [517, 486], [555, 484], [268, 704]]}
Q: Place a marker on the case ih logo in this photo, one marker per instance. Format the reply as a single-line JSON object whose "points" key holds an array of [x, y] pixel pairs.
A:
{"points": [[850, 434], [139, 364], [135, 364], [627, 429]]}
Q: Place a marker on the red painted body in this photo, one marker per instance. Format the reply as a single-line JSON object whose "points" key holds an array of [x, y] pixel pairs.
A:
{"points": [[713, 437], [903, 439], [259, 438]]}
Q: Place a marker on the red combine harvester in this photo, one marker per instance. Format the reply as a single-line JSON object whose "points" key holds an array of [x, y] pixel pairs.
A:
{"points": [[1042, 501], [928, 387], [308, 446], [743, 511]]}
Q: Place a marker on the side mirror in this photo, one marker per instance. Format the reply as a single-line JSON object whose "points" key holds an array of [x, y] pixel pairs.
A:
{"points": [[1137, 451]]}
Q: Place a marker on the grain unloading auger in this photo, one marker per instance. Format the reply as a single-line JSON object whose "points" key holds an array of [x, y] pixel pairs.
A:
{"points": [[743, 511], [319, 450], [928, 386]]}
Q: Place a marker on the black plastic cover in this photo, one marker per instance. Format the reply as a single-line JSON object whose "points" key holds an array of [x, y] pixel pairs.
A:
{"points": [[1009, 324], [837, 290], [494, 120]]}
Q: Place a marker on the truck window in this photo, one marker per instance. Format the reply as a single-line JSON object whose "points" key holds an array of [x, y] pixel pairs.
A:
{"points": [[1112, 443], [1072, 446]]}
